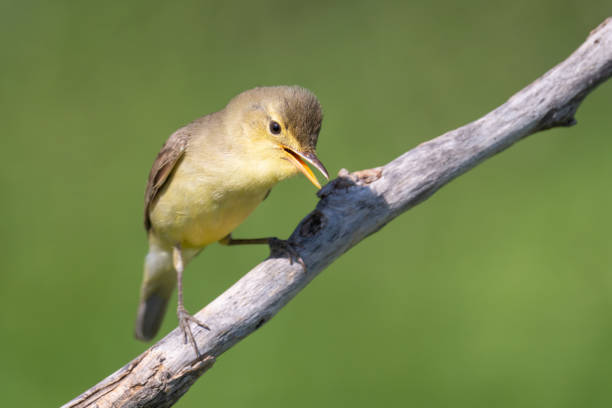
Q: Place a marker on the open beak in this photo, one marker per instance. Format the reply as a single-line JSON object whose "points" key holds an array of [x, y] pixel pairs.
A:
{"points": [[299, 158]]}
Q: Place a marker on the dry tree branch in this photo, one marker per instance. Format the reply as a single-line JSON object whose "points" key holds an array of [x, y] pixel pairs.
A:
{"points": [[352, 207]]}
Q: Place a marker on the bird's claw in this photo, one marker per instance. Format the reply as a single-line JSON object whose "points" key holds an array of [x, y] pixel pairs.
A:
{"points": [[184, 319], [280, 246]]}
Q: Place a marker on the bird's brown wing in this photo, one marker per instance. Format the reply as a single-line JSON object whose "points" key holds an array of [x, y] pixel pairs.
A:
{"points": [[166, 161]]}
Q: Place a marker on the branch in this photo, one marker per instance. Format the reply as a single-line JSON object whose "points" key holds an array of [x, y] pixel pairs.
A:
{"points": [[352, 207]]}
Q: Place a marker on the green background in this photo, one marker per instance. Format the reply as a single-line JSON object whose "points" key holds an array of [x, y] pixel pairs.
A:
{"points": [[495, 292]]}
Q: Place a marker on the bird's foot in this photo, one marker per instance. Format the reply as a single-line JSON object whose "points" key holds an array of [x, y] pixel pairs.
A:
{"points": [[284, 247], [184, 319]]}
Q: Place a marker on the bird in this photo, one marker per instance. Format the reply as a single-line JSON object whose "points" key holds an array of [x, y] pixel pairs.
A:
{"points": [[209, 176]]}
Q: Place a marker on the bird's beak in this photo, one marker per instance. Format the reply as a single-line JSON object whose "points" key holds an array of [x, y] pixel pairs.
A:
{"points": [[298, 158]]}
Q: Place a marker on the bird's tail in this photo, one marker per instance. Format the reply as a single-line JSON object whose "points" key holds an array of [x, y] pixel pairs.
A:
{"points": [[158, 283]]}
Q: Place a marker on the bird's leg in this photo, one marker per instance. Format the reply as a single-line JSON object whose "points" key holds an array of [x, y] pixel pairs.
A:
{"points": [[183, 316], [276, 245]]}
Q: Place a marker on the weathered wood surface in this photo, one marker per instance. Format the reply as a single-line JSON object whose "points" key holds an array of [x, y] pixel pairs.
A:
{"points": [[352, 207]]}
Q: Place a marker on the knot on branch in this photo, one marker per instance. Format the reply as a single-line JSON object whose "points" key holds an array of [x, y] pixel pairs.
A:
{"points": [[314, 222], [562, 117], [346, 180], [361, 177]]}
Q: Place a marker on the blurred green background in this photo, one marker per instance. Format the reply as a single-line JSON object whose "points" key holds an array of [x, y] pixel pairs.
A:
{"points": [[495, 292]]}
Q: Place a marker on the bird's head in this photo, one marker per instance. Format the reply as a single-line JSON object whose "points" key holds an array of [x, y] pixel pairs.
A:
{"points": [[279, 126]]}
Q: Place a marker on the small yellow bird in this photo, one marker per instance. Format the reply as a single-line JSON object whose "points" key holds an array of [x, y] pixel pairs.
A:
{"points": [[209, 176]]}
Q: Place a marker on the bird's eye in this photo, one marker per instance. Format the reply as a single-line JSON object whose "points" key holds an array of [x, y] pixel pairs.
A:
{"points": [[275, 127]]}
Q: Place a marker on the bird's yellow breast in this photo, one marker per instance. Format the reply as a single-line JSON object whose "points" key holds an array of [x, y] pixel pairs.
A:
{"points": [[203, 203]]}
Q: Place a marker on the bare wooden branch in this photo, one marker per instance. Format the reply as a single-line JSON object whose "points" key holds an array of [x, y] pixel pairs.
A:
{"points": [[352, 207]]}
